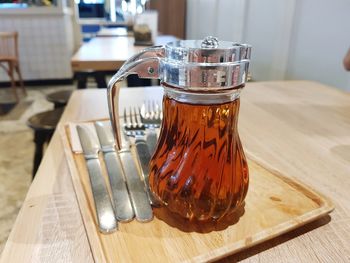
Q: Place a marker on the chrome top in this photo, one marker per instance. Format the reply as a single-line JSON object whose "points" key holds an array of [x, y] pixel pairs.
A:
{"points": [[202, 66], [210, 42], [205, 65], [209, 50]]}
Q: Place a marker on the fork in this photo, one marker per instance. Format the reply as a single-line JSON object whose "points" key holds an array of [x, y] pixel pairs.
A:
{"points": [[151, 116], [135, 128]]}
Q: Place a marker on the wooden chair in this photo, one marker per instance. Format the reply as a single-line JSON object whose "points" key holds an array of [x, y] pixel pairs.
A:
{"points": [[9, 56]]}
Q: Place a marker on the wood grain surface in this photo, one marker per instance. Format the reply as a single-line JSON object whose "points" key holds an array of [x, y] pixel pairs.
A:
{"points": [[109, 53], [299, 128], [274, 205]]}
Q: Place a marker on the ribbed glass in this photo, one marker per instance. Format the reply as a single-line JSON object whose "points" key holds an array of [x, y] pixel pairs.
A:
{"points": [[199, 169]]}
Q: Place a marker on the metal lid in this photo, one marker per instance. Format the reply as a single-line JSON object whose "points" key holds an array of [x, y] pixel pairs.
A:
{"points": [[209, 50], [209, 64]]}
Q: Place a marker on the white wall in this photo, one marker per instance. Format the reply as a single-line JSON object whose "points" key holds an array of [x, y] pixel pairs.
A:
{"points": [[205, 17], [292, 39], [320, 39], [45, 44]]}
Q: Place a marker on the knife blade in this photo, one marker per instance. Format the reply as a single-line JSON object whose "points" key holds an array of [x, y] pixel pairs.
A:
{"points": [[122, 204], [104, 210]]}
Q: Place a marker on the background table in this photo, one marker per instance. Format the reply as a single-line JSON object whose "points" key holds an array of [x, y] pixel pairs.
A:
{"points": [[102, 55], [109, 53], [114, 32], [301, 128]]}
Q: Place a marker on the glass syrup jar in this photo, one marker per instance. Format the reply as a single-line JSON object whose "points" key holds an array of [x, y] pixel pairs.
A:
{"points": [[199, 169]]}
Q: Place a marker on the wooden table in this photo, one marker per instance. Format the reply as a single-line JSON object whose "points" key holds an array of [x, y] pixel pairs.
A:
{"points": [[100, 22], [114, 32], [108, 53], [301, 128]]}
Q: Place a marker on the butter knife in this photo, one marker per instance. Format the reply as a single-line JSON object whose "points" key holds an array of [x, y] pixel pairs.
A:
{"points": [[104, 210], [139, 198], [122, 204], [144, 157]]}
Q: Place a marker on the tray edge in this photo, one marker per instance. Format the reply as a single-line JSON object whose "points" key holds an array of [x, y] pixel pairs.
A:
{"points": [[92, 239]]}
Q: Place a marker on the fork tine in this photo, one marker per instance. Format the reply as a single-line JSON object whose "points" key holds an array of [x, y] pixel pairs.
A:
{"points": [[130, 117], [136, 118], [125, 119], [153, 110], [160, 115], [142, 110], [140, 114], [156, 110], [150, 112], [147, 111]]}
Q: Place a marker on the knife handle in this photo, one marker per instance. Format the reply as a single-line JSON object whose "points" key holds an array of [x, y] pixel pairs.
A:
{"points": [[104, 210], [144, 157], [139, 199], [122, 204]]}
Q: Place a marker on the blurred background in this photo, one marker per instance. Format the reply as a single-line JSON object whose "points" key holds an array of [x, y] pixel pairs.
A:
{"points": [[292, 39]]}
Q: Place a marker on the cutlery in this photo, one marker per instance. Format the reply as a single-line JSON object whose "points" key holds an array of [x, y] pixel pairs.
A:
{"points": [[134, 128], [104, 210], [121, 199], [151, 116], [137, 190]]}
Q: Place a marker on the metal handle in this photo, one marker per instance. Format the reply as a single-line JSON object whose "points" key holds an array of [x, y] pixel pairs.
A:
{"points": [[151, 140], [145, 65], [104, 210], [123, 208], [142, 208], [144, 157], [122, 204]]}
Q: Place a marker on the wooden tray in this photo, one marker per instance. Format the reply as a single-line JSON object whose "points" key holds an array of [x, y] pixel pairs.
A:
{"points": [[274, 205]]}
